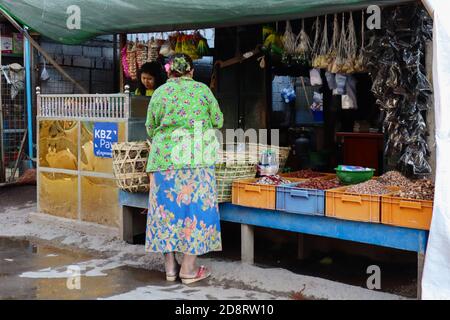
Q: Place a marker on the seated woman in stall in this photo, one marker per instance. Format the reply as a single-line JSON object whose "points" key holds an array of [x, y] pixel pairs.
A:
{"points": [[150, 76]]}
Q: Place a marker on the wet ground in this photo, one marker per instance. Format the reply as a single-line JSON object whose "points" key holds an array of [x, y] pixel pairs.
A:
{"points": [[33, 271]]}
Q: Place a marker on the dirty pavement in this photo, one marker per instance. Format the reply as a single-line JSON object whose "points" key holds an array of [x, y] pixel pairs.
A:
{"points": [[44, 257]]}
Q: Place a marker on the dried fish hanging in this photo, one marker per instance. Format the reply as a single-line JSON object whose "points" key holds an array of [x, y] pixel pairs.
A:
{"points": [[289, 43], [332, 53], [321, 60], [361, 60], [303, 48], [401, 86]]}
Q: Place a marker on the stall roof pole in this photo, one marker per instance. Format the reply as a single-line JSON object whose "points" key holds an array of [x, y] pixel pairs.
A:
{"points": [[29, 96], [42, 51]]}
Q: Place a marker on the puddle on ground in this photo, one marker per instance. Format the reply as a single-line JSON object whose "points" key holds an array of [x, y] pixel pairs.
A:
{"points": [[29, 271]]}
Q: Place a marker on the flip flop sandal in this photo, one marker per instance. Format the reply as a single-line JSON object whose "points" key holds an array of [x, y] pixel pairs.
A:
{"points": [[202, 273], [173, 277]]}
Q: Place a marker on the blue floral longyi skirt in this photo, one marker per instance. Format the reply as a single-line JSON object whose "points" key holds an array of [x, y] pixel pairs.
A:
{"points": [[183, 213]]}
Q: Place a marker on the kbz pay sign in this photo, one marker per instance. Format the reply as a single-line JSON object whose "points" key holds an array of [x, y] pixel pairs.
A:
{"points": [[105, 135]]}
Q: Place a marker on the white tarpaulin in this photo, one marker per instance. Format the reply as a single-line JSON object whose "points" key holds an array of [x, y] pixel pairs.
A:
{"points": [[436, 275]]}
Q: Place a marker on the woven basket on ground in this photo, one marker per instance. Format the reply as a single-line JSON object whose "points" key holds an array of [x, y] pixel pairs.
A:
{"points": [[129, 163]]}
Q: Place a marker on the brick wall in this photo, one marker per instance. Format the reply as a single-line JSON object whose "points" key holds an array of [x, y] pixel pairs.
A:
{"points": [[91, 64]]}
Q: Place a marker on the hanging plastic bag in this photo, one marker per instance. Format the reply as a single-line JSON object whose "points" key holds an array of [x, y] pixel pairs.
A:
{"points": [[44, 74], [331, 80], [288, 95], [350, 89], [17, 78], [341, 82], [315, 78], [317, 104]]}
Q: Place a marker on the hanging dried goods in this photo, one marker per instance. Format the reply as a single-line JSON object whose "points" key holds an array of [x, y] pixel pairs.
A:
{"points": [[302, 55], [322, 58], [400, 85]]}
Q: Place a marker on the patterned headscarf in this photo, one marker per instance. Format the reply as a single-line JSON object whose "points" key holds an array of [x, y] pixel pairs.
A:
{"points": [[179, 64]]}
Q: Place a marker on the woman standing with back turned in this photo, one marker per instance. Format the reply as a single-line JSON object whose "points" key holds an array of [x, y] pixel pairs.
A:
{"points": [[183, 211]]}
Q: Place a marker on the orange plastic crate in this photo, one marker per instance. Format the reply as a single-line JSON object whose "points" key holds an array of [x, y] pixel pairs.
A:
{"points": [[352, 206], [408, 213], [247, 193]]}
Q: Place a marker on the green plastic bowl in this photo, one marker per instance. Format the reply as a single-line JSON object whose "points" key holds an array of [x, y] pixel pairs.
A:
{"points": [[354, 177]]}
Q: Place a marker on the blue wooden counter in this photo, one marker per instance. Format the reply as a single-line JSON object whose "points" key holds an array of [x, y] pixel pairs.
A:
{"points": [[363, 232]]}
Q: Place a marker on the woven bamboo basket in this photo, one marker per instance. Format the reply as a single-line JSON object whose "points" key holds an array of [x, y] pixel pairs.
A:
{"points": [[251, 152], [129, 164], [238, 161], [226, 173]]}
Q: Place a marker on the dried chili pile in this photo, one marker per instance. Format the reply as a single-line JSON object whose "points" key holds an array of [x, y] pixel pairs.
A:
{"points": [[319, 184]]}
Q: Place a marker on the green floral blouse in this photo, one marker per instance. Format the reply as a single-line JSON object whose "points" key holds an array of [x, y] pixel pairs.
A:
{"points": [[181, 119]]}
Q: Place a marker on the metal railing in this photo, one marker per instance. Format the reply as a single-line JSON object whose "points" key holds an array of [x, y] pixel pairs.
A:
{"points": [[83, 106]]}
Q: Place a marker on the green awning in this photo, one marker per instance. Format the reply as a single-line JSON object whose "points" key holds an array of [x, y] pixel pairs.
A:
{"points": [[98, 17]]}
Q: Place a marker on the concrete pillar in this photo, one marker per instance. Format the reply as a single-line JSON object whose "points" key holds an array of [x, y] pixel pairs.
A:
{"points": [[247, 243]]}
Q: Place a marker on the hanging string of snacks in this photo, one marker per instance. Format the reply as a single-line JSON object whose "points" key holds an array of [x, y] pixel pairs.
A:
{"points": [[339, 61], [361, 60], [141, 54], [289, 44], [322, 59], [125, 62], [316, 44], [153, 50], [332, 53], [132, 60], [303, 48], [351, 47], [138, 52]]}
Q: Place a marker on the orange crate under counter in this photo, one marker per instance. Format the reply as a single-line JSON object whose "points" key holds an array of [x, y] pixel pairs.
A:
{"points": [[248, 193], [408, 213], [352, 206]]}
